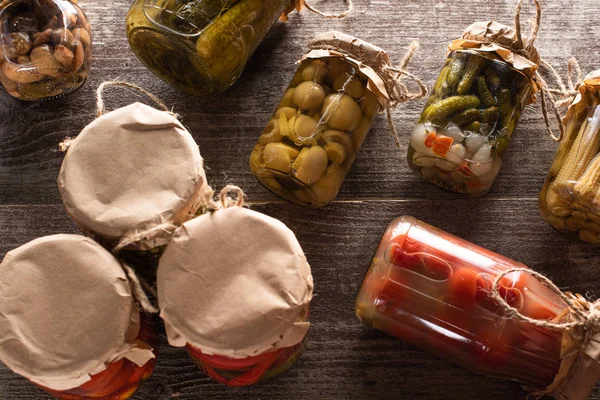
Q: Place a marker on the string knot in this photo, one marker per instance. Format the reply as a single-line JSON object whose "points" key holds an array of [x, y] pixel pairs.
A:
{"points": [[100, 109]]}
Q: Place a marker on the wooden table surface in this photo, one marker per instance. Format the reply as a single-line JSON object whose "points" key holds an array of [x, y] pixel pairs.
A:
{"points": [[343, 359]]}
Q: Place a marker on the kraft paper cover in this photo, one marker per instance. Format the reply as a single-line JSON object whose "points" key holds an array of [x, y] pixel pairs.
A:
{"points": [[368, 58], [129, 170], [494, 37], [66, 312], [235, 283]]}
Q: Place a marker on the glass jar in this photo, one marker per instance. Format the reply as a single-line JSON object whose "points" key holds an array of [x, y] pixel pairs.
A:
{"points": [[73, 323], [467, 124], [249, 370], [311, 141], [200, 46], [122, 378], [570, 198], [239, 307], [45, 48], [433, 290]]}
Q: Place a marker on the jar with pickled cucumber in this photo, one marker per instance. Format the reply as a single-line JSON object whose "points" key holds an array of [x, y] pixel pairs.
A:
{"points": [[322, 120], [200, 46], [72, 324], [570, 198], [477, 101], [45, 48]]}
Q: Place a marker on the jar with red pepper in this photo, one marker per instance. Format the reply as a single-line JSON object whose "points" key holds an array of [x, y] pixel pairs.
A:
{"points": [[434, 290], [234, 290], [70, 322]]}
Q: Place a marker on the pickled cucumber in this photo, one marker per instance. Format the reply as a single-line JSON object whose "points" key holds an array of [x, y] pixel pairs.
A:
{"points": [[505, 107], [486, 96], [192, 15], [441, 110], [227, 43], [466, 117], [471, 71]]}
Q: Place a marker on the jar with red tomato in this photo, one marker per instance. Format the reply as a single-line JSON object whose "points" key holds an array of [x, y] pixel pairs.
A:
{"points": [[71, 323], [234, 289], [434, 290]]}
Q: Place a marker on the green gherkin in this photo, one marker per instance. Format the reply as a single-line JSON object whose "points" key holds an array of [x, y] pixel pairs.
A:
{"points": [[492, 78], [190, 16], [466, 117], [440, 111], [474, 126], [486, 96], [505, 107], [441, 79], [471, 71], [490, 115], [453, 76]]}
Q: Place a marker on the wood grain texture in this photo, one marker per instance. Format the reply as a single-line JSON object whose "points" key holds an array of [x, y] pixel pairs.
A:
{"points": [[344, 359]]}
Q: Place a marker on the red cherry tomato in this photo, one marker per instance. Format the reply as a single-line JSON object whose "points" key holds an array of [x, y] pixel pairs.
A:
{"points": [[463, 286]]}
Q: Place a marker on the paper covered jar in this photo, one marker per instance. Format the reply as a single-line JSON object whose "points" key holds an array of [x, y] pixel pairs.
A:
{"points": [[234, 289], [69, 322], [130, 177]]}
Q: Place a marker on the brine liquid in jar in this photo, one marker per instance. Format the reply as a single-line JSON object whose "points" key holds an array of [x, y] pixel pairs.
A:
{"points": [[570, 198], [45, 48], [249, 370], [433, 290], [468, 121], [318, 127], [200, 46]]}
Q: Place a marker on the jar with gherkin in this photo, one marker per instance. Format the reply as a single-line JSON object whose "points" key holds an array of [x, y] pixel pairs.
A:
{"points": [[570, 198], [477, 101], [202, 46]]}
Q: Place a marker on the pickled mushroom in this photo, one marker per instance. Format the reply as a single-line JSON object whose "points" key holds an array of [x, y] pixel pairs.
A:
{"points": [[349, 85], [310, 164], [341, 112], [308, 95], [279, 156], [45, 62], [305, 126], [315, 71]]}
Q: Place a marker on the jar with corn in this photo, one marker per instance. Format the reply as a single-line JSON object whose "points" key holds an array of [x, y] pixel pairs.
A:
{"points": [[570, 197]]}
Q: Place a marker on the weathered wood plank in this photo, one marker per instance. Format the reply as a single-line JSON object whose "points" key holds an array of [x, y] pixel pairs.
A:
{"points": [[344, 359]]}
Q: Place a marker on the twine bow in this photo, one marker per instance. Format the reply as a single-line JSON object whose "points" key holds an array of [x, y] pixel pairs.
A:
{"points": [[583, 315], [100, 101], [566, 94], [397, 90]]}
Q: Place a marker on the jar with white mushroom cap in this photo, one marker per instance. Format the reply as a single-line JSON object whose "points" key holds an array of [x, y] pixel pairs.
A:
{"points": [[70, 322], [132, 176], [326, 112], [477, 101], [45, 48], [234, 289]]}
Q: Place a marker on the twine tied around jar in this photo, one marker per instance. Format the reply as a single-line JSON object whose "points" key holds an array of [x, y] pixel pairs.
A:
{"points": [[298, 5], [580, 349], [100, 110], [365, 54]]}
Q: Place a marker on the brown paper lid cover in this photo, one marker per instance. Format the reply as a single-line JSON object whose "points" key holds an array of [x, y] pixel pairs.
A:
{"points": [[371, 60], [235, 283], [66, 312], [591, 83], [129, 170], [494, 37]]}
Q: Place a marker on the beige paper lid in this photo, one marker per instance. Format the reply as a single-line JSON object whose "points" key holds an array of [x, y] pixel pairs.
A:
{"points": [[591, 83], [371, 60], [66, 312], [236, 283], [494, 37], [130, 170]]}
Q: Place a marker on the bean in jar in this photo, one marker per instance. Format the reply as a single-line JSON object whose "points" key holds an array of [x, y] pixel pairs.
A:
{"points": [[45, 48], [476, 104], [107, 348], [200, 46], [570, 198], [433, 290]]}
